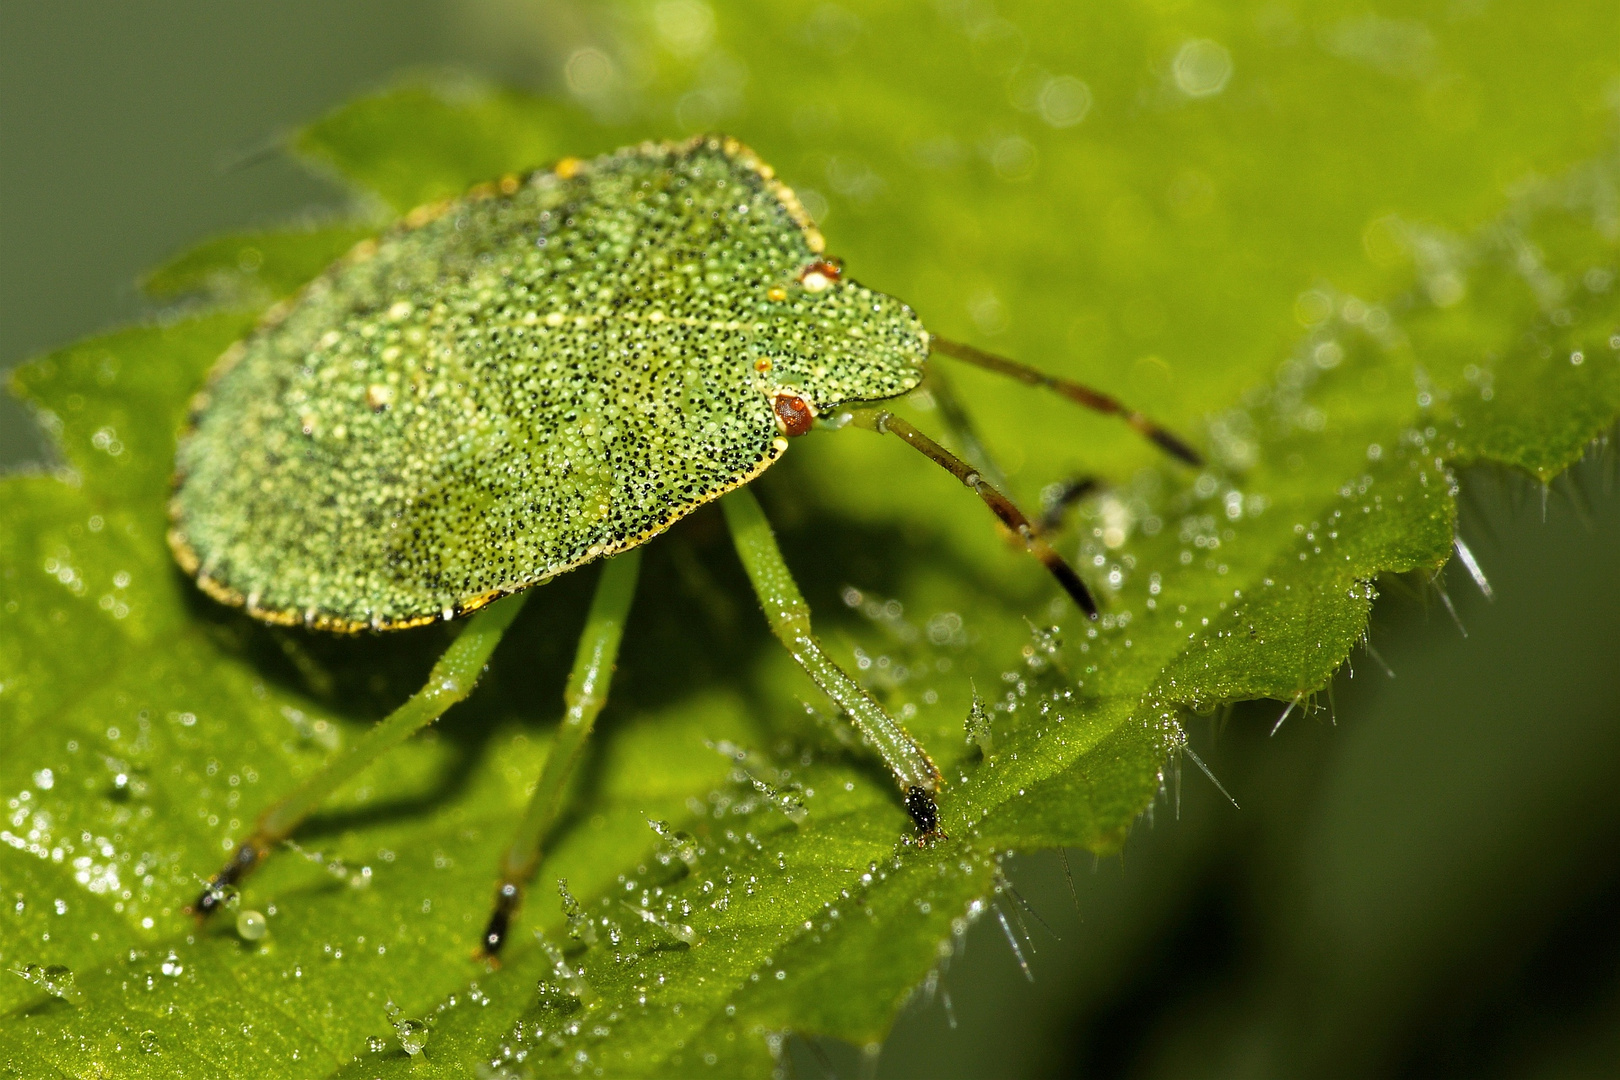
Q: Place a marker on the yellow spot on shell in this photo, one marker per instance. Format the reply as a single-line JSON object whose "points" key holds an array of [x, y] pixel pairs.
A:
{"points": [[422, 215]]}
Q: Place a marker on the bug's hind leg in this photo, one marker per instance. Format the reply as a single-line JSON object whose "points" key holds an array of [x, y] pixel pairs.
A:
{"points": [[453, 678], [587, 692], [789, 618]]}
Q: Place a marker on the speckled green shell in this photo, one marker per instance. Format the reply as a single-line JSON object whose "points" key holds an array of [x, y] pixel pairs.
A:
{"points": [[509, 385]]}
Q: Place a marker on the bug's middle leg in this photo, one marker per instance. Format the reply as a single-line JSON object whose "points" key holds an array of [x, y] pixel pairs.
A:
{"points": [[587, 692], [789, 618]]}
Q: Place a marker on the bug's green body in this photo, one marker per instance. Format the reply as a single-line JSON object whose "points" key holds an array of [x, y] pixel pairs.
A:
{"points": [[512, 384]]}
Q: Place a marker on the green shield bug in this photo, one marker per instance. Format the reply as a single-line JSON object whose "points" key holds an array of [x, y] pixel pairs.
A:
{"points": [[545, 372]]}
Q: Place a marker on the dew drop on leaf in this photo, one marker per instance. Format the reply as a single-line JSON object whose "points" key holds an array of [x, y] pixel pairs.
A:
{"points": [[411, 1033], [251, 926], [55, 980]]}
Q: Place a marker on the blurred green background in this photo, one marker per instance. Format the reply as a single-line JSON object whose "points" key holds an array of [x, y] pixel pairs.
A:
{"points": [[1422, 881]]}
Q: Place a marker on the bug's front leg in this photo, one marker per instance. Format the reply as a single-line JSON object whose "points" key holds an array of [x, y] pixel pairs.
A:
{"points": [[453, 678], [885, 422], [789, 618]]}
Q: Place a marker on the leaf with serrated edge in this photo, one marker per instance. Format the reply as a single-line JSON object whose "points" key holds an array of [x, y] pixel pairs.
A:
{"points": [[1334, 357]]}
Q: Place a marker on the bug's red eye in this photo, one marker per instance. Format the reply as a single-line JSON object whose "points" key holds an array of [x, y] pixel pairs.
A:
{"points": [[794, 414], [820, 275]]}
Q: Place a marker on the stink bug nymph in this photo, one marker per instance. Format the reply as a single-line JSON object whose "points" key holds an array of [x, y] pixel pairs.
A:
{"points": [[549, 371]]}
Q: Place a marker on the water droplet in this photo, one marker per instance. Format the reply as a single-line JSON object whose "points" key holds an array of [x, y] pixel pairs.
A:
{"points": [[978, 726], [1064, 101], [788, 802], [677, 845], [1202, 68], [149, 1042], [679, 931], [55, 980], [580, 927], [251, 926], [572, 979], [412, 1033]]}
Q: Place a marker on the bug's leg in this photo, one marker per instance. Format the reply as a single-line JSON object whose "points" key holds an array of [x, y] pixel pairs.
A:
{"points": [[789, 618], [885, 422], [959, 426], [1076, 392], [1067, 494], [453, 678], [587, 692]]}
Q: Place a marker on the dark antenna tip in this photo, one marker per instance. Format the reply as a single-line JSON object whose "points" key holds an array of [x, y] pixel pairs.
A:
{"points": [[1079, 393], [1173, 446]]}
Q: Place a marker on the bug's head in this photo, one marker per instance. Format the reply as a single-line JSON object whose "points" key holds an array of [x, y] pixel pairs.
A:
{"points": [[829, 341]]}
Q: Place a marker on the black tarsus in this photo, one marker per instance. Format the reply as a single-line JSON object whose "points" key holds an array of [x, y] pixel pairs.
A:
{"points": [[924, 811], [507, 899], [1069, 579], [219, 887], [885, 422]]}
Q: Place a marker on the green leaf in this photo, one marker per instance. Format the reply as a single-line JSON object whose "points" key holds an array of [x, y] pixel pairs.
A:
{"points": [[1379, 248], [255, 266], [422, 143]]}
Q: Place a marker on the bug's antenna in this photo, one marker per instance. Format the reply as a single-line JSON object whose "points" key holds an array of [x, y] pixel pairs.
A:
{"points": [[884, 422], [1076, 392]]}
